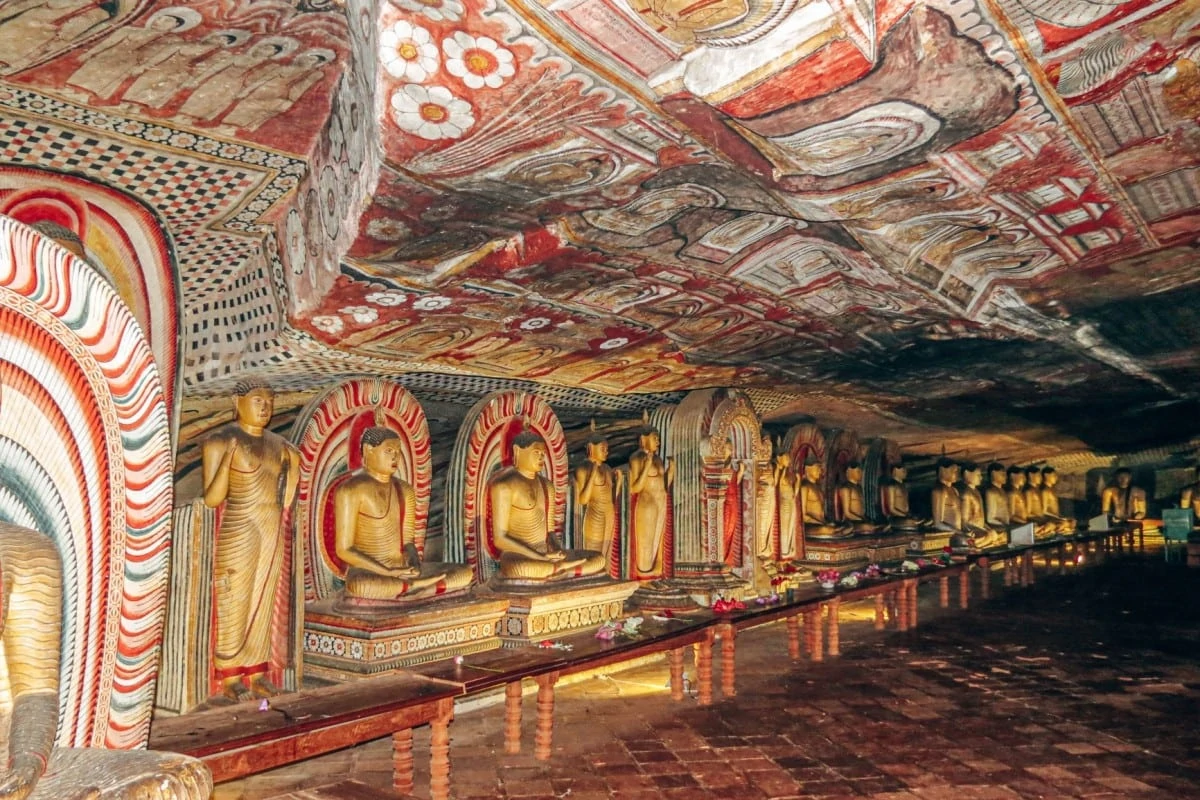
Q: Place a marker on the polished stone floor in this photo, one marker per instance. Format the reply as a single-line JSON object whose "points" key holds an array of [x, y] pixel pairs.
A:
{"points": [[1083, 686]]}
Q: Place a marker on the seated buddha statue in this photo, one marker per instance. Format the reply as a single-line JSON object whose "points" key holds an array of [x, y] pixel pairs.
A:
{"points": [[1049, 498], [1044, 526], [1123, 501], [519, 524], [1190, 498], [31, 614], [849, 505], [945, 500], [812, 505], [1015, 492], [995, 499], [893, 499], [974, 515], [375, 531]]}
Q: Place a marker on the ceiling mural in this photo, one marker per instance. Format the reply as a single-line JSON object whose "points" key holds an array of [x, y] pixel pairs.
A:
{"points": [[948, 214]]}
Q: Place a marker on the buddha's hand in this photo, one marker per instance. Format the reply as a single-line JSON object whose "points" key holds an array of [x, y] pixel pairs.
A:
{"points": [[556, 555], [404, 572], [18, 782]]}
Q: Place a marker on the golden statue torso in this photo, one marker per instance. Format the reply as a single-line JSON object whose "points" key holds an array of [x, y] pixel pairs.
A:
{"points": [[995, 504], [764, 510], [894, 499], [787, 516], [947, 507], [1016, 507], [599, 513], [850, 502], [973, 516], [1033, 503]]}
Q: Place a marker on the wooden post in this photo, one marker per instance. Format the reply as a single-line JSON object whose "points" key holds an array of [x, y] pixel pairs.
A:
{"points": [[402, 761], [793, 636], [728, 663], [704, 669], [944, 591], [512, 717], [912, 587], [834, 606], [985, 577], [818, 649], [880, 622], [810, 632], [902, 607], [1028, 564], [1009, 576], [675, 659], [1062, 558], [544, 735], [439, 753], [964, 587]]}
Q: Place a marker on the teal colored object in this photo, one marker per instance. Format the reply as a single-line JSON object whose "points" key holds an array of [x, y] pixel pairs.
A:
{"points": [[1177, 525]]}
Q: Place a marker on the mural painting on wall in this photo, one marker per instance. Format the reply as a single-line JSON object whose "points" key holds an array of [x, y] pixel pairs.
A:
{"points": [[86, 452]]}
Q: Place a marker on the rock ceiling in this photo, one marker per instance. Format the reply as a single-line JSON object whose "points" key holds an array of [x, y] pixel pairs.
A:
{"points": [[956, 216]]}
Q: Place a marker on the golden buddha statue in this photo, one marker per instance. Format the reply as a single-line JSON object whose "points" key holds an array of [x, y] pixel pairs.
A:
{"points": [[30, 628], [786, 487], [251, 474], [597, 487], [1124, 501], [893, 499], [1015, 492], [521, 514], [849, 505], [1190, 498], [995, 499], [374, 522], [812, 505], [766, 508], [1050, 508], [945, 500], [650, 480], [974, 515]]}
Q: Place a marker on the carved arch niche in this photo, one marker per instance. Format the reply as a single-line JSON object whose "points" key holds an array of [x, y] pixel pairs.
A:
{"points": [[122, 239], [879, 456], [713, 432], [85, 458], [484, 447]]}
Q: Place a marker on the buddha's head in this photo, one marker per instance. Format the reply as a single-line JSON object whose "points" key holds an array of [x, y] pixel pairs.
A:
{"points": [[649, 440], [784, 460], [381, 450], [1033, 476], [1124, 478], [1049, 477], [529, 453], [899, 473], [947, 471], [854, 472], [254, 402], [1016, 478], [996, 473], [813, 470], [972, 476], [597, 449]]}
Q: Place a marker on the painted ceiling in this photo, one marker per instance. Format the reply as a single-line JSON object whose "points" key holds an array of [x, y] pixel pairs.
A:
{"points": [[947, 220]]}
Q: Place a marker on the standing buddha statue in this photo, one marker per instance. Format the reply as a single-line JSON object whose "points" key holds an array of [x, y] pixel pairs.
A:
{"points": [[597, 487], [251, 474], [789, 521], [650, 482], [766, 491]]}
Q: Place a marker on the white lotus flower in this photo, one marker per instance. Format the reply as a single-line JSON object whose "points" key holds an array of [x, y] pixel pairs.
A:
{"points": [[436, 10], [407, 51], [431, 113], [478, 60], [329, 324], [431, 303], [613, 343], [535, 323], [363, 315], [388, 298]]}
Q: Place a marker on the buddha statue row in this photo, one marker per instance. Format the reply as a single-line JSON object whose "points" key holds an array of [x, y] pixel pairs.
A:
{"points": [[1014, 496]]}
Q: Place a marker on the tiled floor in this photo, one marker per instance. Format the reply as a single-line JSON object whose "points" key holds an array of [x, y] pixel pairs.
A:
{"points": [[1085, 686]]}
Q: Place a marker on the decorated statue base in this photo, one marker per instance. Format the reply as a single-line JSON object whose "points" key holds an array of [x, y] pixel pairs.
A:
{"points": [[845, 553], [661, 595], [888, 547], [544, 611], [927, 543], [706, 583], [344, 640]]}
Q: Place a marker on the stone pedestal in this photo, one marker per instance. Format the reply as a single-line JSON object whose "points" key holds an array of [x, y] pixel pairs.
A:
{"points": [[928, 543], [558, 609], [339, 645], [706, 583], [887, 547], [841, 554]]}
